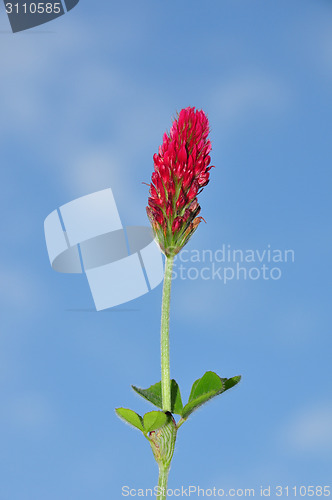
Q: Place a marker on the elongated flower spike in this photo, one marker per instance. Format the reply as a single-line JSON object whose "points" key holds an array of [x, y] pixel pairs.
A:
{"points": [[181, 170]]}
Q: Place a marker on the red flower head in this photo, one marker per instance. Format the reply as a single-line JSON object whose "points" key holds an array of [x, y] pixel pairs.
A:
{"points": [[181, 170]]}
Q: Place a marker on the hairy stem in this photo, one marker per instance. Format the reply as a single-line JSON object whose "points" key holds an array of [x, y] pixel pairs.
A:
{"points": [[164, 337], [162, 483]]}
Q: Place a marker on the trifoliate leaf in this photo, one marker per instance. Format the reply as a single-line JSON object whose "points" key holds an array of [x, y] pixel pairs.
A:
{"points": [[206, 388]]}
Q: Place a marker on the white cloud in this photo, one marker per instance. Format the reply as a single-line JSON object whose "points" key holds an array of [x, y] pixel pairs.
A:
{"points": [[20, 289], [325, 52], [310, 41], [205, 301], [87, 128], [92, 169], [92, 469], [310, 431], [297, 324], [255, 476], [28, 411], [250, 93]]}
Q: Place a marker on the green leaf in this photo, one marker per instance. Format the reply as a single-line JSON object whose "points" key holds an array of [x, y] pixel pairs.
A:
{"points": [[196, 403], [209, 382], [154, 420], [230, 382], [206, 388], [176, 401], [153, 394], [130, 417]]}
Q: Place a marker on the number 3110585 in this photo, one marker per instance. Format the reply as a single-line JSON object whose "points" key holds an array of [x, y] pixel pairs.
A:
{"points": [[33, 8]]}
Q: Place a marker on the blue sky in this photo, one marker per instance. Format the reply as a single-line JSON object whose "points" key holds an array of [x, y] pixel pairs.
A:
{"points": [[84, 103]]}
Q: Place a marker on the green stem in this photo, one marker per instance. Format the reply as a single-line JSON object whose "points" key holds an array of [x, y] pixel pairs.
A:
{"points": [[180, 422], [164, 337], [162, 483]]}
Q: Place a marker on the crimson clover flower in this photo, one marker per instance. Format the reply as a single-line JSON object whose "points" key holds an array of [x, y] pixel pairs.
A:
{"points": [[181, 170]]}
